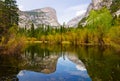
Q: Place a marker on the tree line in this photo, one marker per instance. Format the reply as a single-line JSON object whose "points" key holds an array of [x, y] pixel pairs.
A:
{"points": [[100, 29]]}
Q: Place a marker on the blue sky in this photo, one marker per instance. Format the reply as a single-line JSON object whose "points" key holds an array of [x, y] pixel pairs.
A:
{"points": [[66, 9]]}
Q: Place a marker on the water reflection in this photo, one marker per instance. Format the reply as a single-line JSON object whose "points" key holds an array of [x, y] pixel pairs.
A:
{"points": [[53, 63], [8, 67], [66, 71]]}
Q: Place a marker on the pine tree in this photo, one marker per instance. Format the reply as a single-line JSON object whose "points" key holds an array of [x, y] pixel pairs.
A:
{"points": [[12, 12], [8, 16], [2, 24], [32, 30]]}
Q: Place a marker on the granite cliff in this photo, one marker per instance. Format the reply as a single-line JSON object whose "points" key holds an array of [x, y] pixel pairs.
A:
{"points": [[112, 5], [74, 22], [46, 16]]}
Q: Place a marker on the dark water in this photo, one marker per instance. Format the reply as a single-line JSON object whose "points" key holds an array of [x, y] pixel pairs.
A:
{"points": [[56, 63]]}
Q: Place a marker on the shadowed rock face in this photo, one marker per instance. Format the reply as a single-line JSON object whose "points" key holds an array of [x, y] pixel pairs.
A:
{"points": [[46, 16]]}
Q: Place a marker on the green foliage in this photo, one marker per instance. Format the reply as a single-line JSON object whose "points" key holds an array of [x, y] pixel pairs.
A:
{"points": [[116, 20], [100, 21], [101, 18], [8, 17], [115, 6], [32, 30]]}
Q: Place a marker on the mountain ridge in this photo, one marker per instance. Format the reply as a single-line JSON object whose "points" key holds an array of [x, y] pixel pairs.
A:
{"points": [[46, 16], [97, 5]]}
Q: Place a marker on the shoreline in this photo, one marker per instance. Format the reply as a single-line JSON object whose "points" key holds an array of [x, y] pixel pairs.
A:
{"points": [[68, 43]]}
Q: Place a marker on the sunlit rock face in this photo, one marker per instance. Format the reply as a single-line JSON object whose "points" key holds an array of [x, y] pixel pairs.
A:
{"points": [[46, 16], [96, 5], [74, 22], [117, 13]]}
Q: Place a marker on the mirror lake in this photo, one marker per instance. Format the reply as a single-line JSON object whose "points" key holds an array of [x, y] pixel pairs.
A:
{"points": [[41, 62]]}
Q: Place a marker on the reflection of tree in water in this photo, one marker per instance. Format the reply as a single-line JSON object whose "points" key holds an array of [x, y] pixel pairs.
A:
{"points": [[102, 64], [41, 60], [9, 67]]}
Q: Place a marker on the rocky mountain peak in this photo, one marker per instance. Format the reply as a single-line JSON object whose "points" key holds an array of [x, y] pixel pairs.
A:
{"points": [[45, 9], [97, 4], [46, 16]]}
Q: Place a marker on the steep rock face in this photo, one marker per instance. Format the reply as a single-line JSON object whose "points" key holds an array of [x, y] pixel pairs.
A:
{"points": [[46, 16], [74, 22], [95, 5], [117, 13], [98, 4]]}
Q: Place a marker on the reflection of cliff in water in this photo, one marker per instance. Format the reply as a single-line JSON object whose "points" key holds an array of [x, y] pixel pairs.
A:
{"points": [[101, 64], [45, 61], [9, 67], [77, 61], [45, 64], [40, 60]]}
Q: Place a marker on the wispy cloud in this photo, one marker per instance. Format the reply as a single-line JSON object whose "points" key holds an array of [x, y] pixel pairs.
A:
{"points": [[21, 7], [78, 7], [80, 12]]}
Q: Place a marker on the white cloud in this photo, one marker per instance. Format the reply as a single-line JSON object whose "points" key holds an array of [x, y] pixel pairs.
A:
{"points": [[78, 7], [80, 12], [21, 7]]}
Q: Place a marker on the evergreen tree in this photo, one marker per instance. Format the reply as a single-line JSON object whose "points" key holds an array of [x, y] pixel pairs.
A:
{"points": [[2, 20], [8, 16], [32, 30], [12, 12]]}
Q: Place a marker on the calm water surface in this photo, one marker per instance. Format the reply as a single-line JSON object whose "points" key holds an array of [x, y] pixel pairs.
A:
{"points": [[56, 63]]}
